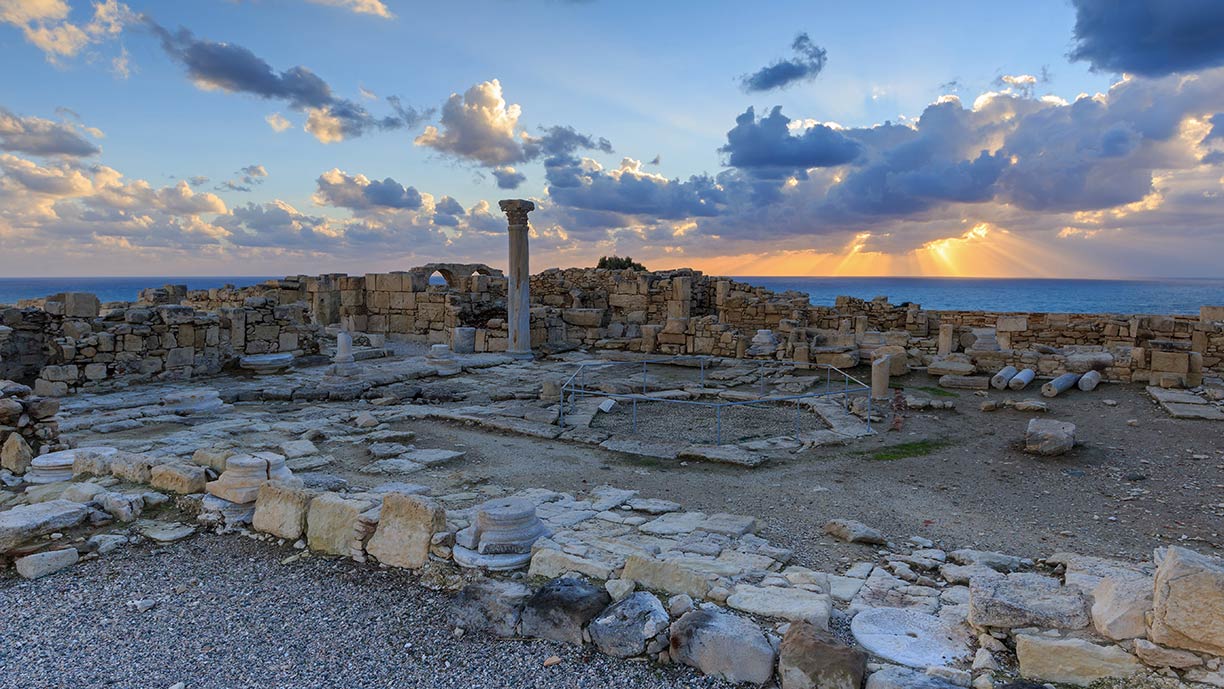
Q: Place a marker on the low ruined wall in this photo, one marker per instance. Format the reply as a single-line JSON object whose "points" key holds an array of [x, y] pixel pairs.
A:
{"points": [[71, 341]]}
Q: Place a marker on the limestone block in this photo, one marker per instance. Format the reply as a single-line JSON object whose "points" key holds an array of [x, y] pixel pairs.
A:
{"points": [[185, 479], [1011, 324], [491, 605], [953, 364], [551, 563], [134, 467], [794, 604], [26, 522], [626, 627], [1048, 437], [1188, 602], [281, 508], [213, 458], [81, 305], [1120, 604], [561, 608], [1159, 656], [722, 645], [331, 521], [1072, 661], [811, 658], [49, 562], [15, 454], [1026, 600], [405, 530], [1170, 362], [666, 575]]}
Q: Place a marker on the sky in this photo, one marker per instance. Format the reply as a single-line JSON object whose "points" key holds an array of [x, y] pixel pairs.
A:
{"points": [[1061, 138]]}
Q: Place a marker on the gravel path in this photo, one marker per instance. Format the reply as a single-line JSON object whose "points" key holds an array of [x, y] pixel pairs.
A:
{"points": [[229, 615]]}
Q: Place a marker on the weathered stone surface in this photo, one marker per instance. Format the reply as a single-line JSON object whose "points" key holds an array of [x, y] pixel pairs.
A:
{"points": [[625, 627], [1072, 661], [1120, 604], [178, 478], [281, 508], [811, 658], [15, 454], [561, 608], [722, 645], [1159, 656], [44, 563], [1188, 610], [331, 521], [794, 604], [997, 561], [214, 459], [896, 677], [665, 575], [1049, 437], [51, 467], [405, 529], [851, 531], [964, 382], [492, 606], [1026, 600], [954, 365], [133, 467], [81, 492], [26, 522], [910, 637], [551, 563]]}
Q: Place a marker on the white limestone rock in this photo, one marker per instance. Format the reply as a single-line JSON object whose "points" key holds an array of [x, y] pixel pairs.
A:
{"points": [[1072, 661], [1188, 610], [47, 562], [910, 637]]}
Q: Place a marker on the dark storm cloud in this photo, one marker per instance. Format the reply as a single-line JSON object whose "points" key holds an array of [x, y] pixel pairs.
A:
{"points": [[37, 136], [1149, 37], [809, 60], [234, 68], [767, 148]]}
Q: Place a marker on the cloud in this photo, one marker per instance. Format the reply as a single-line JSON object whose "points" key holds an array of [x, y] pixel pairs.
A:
{"points": [[809, 60], [771, 148], [1149, 37], [46, 25], [235, 69], [372, 7], [508, 178], [482, 127], [278, 122], [38, 136], [358, 193], [630, 190], [248, 177]]}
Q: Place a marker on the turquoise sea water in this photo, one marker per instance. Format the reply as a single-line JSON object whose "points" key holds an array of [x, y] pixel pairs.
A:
{"points": [[1169, 296]]}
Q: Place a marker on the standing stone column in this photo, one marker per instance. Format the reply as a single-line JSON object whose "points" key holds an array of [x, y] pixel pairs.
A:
{"points": [[518, 291], [880, 369]]}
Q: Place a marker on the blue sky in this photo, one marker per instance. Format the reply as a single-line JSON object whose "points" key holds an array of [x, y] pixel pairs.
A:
{"points": [[638, 80]]}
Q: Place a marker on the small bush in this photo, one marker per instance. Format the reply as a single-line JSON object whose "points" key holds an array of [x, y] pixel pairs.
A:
{"points": [[618, 263]]}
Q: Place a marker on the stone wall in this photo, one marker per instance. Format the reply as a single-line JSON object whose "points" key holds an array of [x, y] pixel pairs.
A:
{"points": [[69, 341]]}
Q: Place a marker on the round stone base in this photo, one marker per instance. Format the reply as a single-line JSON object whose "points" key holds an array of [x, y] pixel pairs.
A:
{"points": [[465, 557]]}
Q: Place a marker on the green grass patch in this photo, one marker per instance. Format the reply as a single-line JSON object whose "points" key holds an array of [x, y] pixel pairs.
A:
{"points": [[917, 448]]}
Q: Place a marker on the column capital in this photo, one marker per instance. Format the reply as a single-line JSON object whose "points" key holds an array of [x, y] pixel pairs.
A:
{"points": [[516, 210]]}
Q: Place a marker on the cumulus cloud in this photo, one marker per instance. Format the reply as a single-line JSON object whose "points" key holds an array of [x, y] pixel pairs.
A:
{"points": [[630, 190], [807, 64], [278, 122], [46, 24], [247, 178], [38, 136], [372, 7], [774, 147], [1149, 37], [482, 127], [508, 178], [233, 68], [359, 193]]}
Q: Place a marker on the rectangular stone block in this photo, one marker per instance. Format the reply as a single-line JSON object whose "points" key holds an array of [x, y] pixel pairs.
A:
{"points": [[1170, 362], [1011, 324], [405, 530], [331, 523], [281, 509], [185, 479]]}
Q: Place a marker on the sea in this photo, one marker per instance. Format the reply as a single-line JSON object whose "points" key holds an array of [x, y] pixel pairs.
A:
{"points": [[1164, 296]]}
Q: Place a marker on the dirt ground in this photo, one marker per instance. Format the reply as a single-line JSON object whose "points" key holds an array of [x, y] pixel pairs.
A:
{"points": [[1123, 491]]}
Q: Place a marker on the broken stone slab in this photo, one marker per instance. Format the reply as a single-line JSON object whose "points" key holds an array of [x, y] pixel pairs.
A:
{"points": [[793, 604], [607, 497], [897, 677], [1120, 604], [1048, 437], [910, 637], [951, 365], [331, 523], [724, 645], [560, 609], [392, 467], [164, 532], [670, 576], [1188, 603], [1026, 600], [964, 382], [432, 456], [625, 628], [1159, 656], [673, 523], [15, 454], [406, 527], [1164, 396], [723, 454], [184, 479], [851, 531], [1072, 661], [1193, 411], [641, 448], [812, 658], [491, 605], [47, 562], [550, 563], [987, 558], [26, 522], [654, 505]]}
